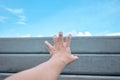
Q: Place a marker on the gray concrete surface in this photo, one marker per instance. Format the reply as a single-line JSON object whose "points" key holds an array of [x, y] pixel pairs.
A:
{"points": [[102, 64], [99, 57], [80, 45], [73, 77]]}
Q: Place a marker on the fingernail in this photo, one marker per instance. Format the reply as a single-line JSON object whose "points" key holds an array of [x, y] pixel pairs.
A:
{"points": [[60, 33], [70, 35]]}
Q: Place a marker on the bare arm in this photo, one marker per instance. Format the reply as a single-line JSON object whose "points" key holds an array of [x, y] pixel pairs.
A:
{"points": [[50, 70]]}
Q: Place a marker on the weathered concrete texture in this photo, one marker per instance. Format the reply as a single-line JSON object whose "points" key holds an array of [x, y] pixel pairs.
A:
{"points": [[74, 77], [79, 44], [18, 62], [89, 64], [87, 77]]}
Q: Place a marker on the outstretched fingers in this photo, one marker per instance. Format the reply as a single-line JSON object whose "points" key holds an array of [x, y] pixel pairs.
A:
{"points": [[55, 40], [61, 38], [68, 40]]}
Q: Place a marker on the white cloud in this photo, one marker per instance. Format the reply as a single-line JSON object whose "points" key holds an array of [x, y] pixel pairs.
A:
{"points": [[113, 34], [19, 13], [15, 11], [75, 33], [22, 20], [84, 34], [2, 18], [39, 35]]}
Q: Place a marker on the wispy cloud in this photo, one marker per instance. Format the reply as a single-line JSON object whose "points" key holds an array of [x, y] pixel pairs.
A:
{"points": [[15, 11], [19, 13], [22, 20], [2, 19]]}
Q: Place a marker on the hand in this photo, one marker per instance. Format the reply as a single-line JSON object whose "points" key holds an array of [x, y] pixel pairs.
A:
{"points": [[61, 49]]}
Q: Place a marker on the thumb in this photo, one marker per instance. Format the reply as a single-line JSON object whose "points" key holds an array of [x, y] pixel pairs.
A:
{"points": [[74, 57]]}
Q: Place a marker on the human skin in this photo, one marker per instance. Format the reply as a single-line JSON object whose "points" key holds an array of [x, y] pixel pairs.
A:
{"points": [[50, 70]]}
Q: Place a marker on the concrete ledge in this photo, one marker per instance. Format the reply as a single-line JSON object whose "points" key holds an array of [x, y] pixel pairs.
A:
{"points": [[4, 75], [89, 64], [88, 77], [78, 45], [73, 77]]}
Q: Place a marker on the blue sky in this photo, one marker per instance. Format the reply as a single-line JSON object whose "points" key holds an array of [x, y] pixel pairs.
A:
{"points": [[39, 18]]}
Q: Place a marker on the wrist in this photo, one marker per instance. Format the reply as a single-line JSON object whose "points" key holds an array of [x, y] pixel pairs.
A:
{"points": [[60, 59]]}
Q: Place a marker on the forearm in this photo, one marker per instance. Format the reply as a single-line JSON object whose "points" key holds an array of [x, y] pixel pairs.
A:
{"points": [[49, 70]]}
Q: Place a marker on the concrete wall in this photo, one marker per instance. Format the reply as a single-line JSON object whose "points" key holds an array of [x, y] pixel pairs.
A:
{"points": [[99, 57]]}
